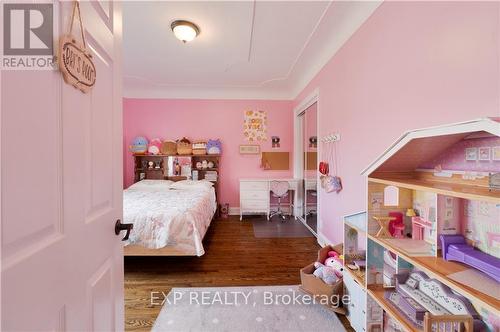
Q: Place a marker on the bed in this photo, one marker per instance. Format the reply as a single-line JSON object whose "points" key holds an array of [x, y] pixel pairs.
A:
{"points": [[169, 218]]}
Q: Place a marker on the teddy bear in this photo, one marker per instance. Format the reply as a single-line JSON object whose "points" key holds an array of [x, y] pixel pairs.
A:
{"points": [[331, 271]]}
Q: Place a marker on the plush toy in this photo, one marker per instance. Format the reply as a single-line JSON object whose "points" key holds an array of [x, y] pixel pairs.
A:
{"points": [[331, 270], [336, 262], [139, 145], [154, 146], [214, 146], [325, 273]]}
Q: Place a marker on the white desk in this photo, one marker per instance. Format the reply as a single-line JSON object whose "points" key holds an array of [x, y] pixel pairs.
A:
{"points": [[254, 194]]}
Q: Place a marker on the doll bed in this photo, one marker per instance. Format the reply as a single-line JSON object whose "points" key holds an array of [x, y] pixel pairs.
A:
{"points": [[169, 219]]}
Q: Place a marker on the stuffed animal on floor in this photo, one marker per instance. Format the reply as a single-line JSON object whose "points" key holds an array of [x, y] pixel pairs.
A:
{"points": [[331, 271]]}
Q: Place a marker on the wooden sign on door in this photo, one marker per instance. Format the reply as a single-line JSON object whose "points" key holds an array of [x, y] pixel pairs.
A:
{"points": [[75, 62]]}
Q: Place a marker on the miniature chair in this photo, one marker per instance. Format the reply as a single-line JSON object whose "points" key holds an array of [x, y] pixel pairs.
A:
{"points": [[397, 225], [279, 190]]}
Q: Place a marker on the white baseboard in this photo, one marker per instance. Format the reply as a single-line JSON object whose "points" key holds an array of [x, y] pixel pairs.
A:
{"points": [[234, 211], [322, 240]]}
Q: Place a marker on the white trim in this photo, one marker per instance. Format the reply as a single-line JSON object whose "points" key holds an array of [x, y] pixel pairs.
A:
{"points": [[298, 148], [322, 240], [483, 124]]}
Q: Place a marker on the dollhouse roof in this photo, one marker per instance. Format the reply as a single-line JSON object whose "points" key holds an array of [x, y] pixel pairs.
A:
{"points": [[415, 147]]}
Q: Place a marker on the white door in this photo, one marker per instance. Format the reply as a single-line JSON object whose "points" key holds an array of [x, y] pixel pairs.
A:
{"points": [[61, 188]]}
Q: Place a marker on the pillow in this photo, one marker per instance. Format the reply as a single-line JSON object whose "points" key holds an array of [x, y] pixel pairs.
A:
{"points": [[151, 185], [191, 184], [412, 283]]}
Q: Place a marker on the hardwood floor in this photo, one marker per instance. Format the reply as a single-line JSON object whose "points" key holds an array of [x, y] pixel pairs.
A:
{"points": [[234, 257]]}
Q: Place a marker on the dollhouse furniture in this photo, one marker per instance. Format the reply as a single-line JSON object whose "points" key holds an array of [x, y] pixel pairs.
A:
{"points": [[448, 323], [418, 226], [440, 200], [279, 190], [416, 294], [397, 225], [383, 223], [455, 248]]}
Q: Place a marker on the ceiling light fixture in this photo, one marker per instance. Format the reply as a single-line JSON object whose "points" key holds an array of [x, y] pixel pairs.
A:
{"points": [[185, 30]]}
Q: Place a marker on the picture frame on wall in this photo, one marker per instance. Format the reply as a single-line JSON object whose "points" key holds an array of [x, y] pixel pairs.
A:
{"points": [[249, 149], [471, 154], [495, 153], [484, 153]]}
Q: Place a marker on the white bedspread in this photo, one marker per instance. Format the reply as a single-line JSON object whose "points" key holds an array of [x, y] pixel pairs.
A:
{"points": [[177, 218]]}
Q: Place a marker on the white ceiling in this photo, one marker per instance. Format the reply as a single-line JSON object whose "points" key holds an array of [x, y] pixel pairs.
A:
{"points": [[246, 49]]}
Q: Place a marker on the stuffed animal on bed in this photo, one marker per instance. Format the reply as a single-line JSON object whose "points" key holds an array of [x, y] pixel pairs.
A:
{"points": [[331, 271], [154, 146], [214, 146], [139, 145]]}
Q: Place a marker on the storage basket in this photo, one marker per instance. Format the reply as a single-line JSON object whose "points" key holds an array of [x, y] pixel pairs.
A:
{"points": [[168, 147], [199, 147], [316, 287], [184, 146]]}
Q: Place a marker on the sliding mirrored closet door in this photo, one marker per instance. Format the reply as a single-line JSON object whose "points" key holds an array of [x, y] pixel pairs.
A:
{"points": [[310, 155]]}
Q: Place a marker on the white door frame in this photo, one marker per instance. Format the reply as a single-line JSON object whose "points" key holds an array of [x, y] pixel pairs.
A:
{"points": [[298, 152]]}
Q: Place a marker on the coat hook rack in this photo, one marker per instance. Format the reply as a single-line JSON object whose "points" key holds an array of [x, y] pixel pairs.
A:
{"points": [[331, 138]]}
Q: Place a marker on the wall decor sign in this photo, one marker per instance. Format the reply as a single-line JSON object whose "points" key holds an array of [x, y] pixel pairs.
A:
{"points": [[249, 149], [485, 153], [75, 62], [471, 154], [255, 126]]}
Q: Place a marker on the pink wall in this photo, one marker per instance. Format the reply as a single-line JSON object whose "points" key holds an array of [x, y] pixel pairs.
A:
{"points": [[411, 65], [203, 119]]}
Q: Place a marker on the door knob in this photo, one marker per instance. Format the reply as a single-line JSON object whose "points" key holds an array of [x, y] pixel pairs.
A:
{"points": [[123, 227]]}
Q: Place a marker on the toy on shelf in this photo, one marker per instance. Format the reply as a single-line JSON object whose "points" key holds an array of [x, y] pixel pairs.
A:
{"points": [[214, 146], [139, 145], [383, 223], [417, 295], [331, 271], [200, 147], [168, 148], [154, 146], [184, 146], [455, 248]]}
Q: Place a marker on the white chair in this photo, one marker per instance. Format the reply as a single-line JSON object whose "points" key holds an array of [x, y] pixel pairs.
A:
{"points": [[279, 190]]}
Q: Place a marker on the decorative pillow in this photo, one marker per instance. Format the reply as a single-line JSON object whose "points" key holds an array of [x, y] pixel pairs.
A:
{"points": [[152, 185], [412, 283], [191, 184]]}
